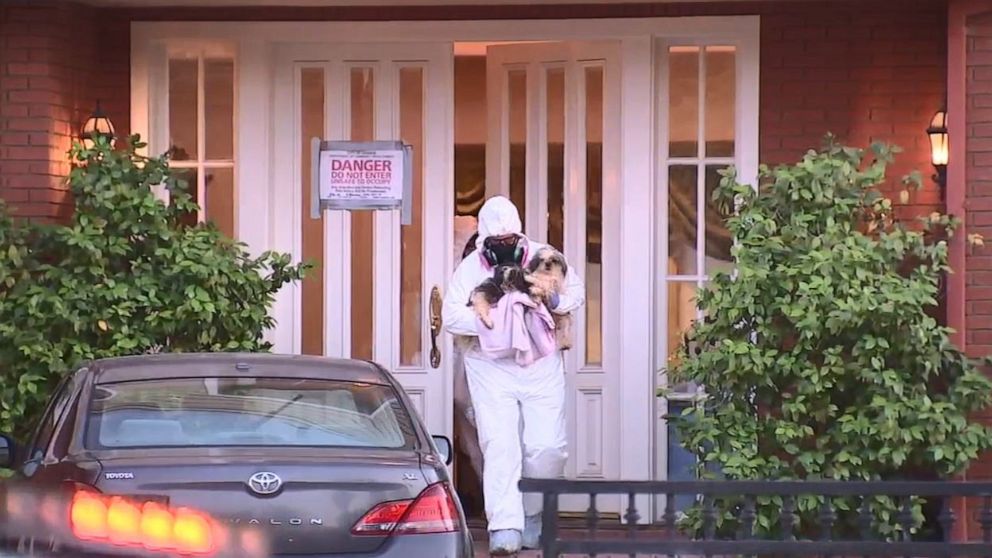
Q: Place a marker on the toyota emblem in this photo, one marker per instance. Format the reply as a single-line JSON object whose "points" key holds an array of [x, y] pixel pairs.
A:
{"points": [[264, 483]]}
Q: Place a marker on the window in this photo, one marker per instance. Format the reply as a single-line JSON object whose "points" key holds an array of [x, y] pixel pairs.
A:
{"points": [[201, 124], [700, 138], [49, 422], [210, 412], [701, 141]]}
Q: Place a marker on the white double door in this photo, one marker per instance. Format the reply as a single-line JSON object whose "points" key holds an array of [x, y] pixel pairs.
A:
{"points": [[553, 118]]}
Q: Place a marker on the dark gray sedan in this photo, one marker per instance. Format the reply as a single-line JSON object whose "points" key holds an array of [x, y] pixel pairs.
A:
{"points": [[326, 457]]}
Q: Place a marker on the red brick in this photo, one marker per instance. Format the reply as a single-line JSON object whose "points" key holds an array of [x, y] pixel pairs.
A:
{"points": [[41, 138], [980, 172], [8, 109], [12, 83], [29, 124], [26, 153], [982, 73], [979, 293], [28, 69], [983, 337], [47, 196], [14, 139], [45, 83], [983, 263], [980, 159], [15, 196], [26, 41], [976, 114], [976, 204], [34, 210], [34, 96], [981, 44]]}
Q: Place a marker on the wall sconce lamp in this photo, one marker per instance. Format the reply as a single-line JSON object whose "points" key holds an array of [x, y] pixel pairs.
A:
{"points": [[97, 125], [937, 132]]}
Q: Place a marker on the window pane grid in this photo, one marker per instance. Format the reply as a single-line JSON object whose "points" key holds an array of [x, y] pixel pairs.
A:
{"points": [[701, 110], [412, 95], [594, 78], [362, 101], [311, 106], [192, 121]]}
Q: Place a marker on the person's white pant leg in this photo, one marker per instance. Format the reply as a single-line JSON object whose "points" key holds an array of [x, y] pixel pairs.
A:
{"points": [[497, 415], [545, 441]]}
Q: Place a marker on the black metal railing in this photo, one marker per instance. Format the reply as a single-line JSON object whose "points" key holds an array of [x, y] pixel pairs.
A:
{"points": [[847, 521]]}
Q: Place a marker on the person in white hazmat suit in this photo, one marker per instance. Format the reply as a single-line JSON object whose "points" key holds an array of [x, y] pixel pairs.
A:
{"points": [[504, 393]]}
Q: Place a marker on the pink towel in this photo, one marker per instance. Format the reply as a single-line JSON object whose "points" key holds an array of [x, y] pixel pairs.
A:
{"points": [[522, 330]]}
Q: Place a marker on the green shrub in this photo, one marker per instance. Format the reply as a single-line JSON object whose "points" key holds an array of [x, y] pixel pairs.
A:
{"points": [[820, 359], [123, 277]]}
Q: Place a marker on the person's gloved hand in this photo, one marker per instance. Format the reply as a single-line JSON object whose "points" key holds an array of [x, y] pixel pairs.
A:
{"points": [[553, 301]]}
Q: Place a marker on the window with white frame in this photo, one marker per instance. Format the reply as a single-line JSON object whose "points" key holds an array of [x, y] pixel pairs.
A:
{"points": [[701, 141], [201, 131]]}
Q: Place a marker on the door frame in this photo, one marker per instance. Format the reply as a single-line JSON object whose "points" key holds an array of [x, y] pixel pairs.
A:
{"points": [[255, 44]]}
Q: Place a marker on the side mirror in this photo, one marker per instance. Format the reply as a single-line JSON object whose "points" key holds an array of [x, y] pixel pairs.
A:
{"points": [[444, 448], [7, 451]]}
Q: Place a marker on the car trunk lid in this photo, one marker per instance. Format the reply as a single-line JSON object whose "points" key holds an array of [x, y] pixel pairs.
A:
{"points": [[306, 503]]}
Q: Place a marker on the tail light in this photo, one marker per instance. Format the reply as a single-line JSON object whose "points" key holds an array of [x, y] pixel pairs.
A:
{"points": [[94, 517], [434, 511]]}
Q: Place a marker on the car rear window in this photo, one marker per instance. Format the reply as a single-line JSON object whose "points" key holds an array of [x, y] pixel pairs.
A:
{"points": [[209, 412]]}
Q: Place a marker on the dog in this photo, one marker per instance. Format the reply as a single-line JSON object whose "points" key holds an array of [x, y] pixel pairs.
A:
{"points": [[505, 279], [546, 273]]}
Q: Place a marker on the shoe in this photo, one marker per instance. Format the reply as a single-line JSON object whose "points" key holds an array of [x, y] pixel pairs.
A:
{"points": [[505, 542], [531, 538]]}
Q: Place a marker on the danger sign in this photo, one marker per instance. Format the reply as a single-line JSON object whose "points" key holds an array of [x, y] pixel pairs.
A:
{"points": [[362, 175]]}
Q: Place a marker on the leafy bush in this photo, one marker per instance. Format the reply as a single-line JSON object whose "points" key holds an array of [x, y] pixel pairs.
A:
{"points": [[820, 359], [123, 277]]}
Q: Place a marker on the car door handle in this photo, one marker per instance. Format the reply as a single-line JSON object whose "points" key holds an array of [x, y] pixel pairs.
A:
{"points": [[435, 326]]}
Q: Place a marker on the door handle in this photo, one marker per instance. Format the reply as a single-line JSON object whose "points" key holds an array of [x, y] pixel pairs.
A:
{"points": [[435, 326]]}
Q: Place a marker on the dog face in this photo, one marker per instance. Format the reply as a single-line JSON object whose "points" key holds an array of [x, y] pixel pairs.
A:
{"points": [[511, 278], [549, 262]]}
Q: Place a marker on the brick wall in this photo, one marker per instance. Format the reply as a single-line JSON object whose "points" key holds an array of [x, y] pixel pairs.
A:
{"points": [[978, 180], [978, 208], [868, 72], [56, 59]]}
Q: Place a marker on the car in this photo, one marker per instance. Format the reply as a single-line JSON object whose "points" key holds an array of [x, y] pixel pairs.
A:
{"points": [[326, 456]]}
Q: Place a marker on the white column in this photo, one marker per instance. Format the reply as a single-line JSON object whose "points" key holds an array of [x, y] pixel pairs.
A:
{"points": [[636, 249]]}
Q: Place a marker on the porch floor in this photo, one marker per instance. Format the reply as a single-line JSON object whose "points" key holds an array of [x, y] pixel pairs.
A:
{"points": [[574, 528]]}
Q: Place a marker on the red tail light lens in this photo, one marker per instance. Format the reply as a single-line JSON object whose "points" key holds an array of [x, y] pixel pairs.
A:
{"points": [[124, 522], [88, 516], [434, 511], [382, 519], [94, 517], [156, 526], [192, 533]]}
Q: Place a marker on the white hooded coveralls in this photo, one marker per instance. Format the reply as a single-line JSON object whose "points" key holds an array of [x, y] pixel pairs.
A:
{"points": [[503, 392]]}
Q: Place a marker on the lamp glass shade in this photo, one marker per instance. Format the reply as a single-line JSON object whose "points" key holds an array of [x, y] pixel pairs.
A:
{"points": [[938, 139], [98, 124]]}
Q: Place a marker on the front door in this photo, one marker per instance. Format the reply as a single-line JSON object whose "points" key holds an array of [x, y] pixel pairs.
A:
{"points": [[376, 283], [554, 149]]}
